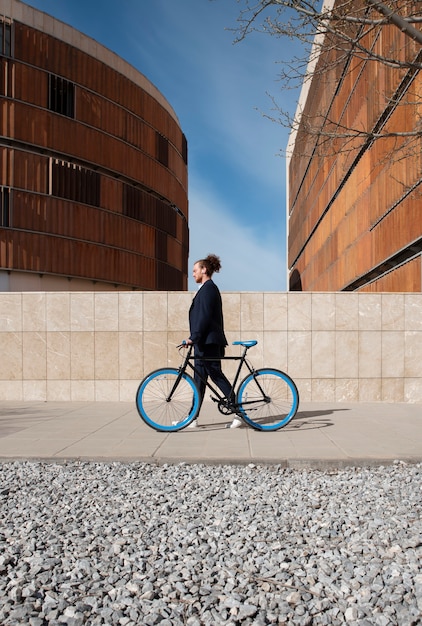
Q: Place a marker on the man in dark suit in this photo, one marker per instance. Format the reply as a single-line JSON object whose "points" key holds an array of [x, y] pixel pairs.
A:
{"points": [[207, 330]]}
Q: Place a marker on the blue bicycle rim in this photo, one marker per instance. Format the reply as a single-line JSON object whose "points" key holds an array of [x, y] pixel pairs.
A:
{"points": [[155, 425], [290, 414]]}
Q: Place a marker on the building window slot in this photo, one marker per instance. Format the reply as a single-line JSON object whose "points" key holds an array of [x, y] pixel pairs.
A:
{"points": [[61, 96], [75, 183], [5, 38], [5, 207], [162, 149], [185, 149]]}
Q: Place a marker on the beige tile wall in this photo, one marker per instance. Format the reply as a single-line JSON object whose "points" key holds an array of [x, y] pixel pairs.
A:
{"points": [[91, 346]]}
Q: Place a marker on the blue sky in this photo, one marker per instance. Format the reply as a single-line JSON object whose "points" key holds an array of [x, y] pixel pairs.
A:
{"points": [[219, 92]]}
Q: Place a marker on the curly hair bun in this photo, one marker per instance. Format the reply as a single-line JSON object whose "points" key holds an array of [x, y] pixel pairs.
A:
{"points": [[213, 262]]}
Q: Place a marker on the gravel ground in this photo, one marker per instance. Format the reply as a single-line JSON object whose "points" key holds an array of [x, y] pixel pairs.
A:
{"points": [[129, 544]]}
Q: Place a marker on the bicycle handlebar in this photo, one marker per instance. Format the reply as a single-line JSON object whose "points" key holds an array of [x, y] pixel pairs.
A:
{"points": [[246, 344]]}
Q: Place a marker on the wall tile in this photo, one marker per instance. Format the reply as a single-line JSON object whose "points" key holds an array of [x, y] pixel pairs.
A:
{"points": [[34, 351], [347, 354], [299, 360], [34, 312], [106, 311], [323, 354], [11, 390], [323, 390], [392, 390], [275, 350], [106, 351], [58, 311], [58, 391], [82, 311], [392, 354], [178, 312], [347, 311], [10, 312], [370, 390], [370, 311], [370, 357], [106, 390], [299, 311], [174, 356], [251, 313], [304, 386], [58, 356], [131, 355], [81, 357], [155, 351], [392, 311], [11, 356], [34, 390], [275, 311], [127, 390], [413, 354], [231, 312], [413, 390], [256, 354], [413, 311], [155, 311], [323, 311], [347, 390], [82, 390], [131, 306]]}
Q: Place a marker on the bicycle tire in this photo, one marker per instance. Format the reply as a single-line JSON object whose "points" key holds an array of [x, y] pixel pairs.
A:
{"points": [[154, 407], [277, 408]]}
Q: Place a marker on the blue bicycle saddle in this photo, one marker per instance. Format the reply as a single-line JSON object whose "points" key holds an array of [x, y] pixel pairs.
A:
{"points": [[245, 344]]}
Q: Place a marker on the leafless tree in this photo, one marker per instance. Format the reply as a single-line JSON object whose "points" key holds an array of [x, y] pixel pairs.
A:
{"points": [[340, 37]]}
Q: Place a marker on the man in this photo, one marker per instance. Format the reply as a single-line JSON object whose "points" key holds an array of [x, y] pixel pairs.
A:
{"points": [[206, 325]]}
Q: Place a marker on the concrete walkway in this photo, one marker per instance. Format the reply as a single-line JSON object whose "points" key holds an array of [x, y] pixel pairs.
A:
{"points": [[320, 436]]}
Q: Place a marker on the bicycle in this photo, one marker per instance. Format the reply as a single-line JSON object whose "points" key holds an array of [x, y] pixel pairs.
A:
{"points": [[168, 399]]}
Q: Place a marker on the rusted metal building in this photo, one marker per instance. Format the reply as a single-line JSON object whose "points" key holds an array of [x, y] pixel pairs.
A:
{"points": [[93, 165], [354, 199]]}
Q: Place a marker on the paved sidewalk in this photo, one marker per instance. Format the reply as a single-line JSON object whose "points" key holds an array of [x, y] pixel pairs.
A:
{"points": [[321, 435]]}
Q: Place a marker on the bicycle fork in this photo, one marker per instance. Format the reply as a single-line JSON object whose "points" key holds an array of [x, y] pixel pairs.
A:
{"points": [[176, 383]]}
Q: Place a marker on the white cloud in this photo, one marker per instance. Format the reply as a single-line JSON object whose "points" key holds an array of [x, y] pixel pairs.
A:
{"points": [[250, 262]]}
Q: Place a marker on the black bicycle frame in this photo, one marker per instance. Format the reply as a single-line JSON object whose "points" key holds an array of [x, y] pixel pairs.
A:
{"points": [[187, 362]]}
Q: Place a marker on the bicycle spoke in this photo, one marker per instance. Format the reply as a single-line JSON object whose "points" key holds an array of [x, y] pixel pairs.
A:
{"points": [[164, 413], [268, 399]]}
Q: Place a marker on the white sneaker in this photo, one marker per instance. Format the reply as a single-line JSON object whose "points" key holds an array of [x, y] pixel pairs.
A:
{"points": [[236, 423], [193, 424]]}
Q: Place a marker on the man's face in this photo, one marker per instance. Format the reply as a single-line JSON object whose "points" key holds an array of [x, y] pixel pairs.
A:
{"points": [[198, 273]]}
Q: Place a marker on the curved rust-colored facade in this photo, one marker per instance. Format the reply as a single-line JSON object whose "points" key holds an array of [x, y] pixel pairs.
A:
{"points": [[93, 166], [355, 204]]}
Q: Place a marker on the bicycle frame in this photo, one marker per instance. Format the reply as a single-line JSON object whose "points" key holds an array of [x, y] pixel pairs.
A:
{"points": [[187, 363]]}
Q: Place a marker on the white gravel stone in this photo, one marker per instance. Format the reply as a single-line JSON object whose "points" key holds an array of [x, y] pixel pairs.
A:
{"points": [[101, 544]]}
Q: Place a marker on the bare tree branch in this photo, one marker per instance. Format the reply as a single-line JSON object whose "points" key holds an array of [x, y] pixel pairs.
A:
{"points": [[343, 35], [396, 19]]}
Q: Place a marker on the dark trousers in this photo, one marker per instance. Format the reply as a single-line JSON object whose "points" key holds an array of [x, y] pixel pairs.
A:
{"points": [[211, 369]]}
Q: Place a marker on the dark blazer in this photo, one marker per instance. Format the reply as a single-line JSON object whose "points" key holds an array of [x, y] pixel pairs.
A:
{"points": [[206, 316]]}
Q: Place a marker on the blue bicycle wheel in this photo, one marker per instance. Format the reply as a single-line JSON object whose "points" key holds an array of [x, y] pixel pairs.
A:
{"points": [[167, 400], [268, 399]]}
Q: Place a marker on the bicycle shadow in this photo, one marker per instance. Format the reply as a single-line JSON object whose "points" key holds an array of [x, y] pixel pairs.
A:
{"points": [[311, 420], [303, 420]]}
